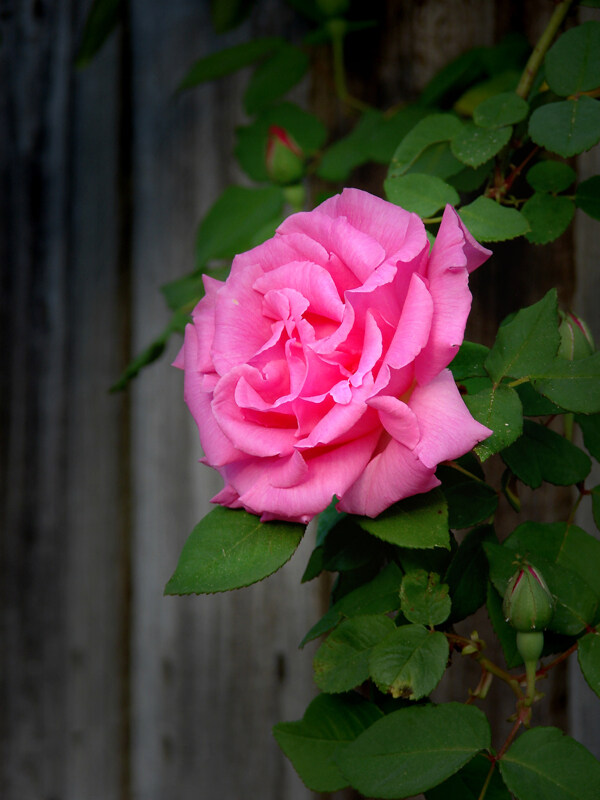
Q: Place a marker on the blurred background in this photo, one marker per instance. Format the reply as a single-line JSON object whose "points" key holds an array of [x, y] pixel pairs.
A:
{"points": [[108, 690]]}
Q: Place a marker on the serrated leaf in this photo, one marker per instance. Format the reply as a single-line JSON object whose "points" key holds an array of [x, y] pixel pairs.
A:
{"points": [[544, 762], [342, 662], [467, 575], [550, 176], [474, 145], [437, 160], [488, 221], [414, 749], [469, 179], [379, 596], [573, 385], [573, 62], [548, 217], [423, 194], [101, 21], [420, 521], [423, 598], [590, 428], [500, 410], [535, 404], [230, 225], [504, 81], [588, 654], [469, 361], [431, 130], [540, 454], [217, 65], [409, 662], [231, 548], [587, 196], [567, 127], [275, 77], [506, 108], [307, 131], [329, 723], [470, 500], [531, 338], [468, 783]]}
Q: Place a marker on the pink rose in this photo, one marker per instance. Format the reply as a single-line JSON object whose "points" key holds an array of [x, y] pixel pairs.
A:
{"points": [[319, 367]]}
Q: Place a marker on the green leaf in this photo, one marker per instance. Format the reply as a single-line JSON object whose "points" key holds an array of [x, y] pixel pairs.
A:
{"points": [[540, 454], [567, 127], [342, 661], [590, 428], [548, 217], [468, 783], [504, 81], [423, 194], [488, 221], [328, 724], [419, 521], [228, 14], [409, 662], [340, 158], [423, 598], [275, 77], [467, 575], [507, 635], [588, 653], [587, 196], [470, 500], [531, 338], [437, 160], [431, 130], [544, 762], [573, 385], [306, 130], [551, 176], [535, 404], [103, 18], [229, 549], [453, 78], [506, 108], [500, 410], [596, 505], [474, 145], [184, 293], [414, 749], [217, 65], [389, 130], [348, 547], [469, 361], [231, 223], [573, 63], [469, 179], [379, 596]]}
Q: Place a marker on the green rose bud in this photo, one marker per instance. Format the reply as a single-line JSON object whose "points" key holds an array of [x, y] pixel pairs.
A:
{"points": [[576, 340], [284, 159], [528, 604]]}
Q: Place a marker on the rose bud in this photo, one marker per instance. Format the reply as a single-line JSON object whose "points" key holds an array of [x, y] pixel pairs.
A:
{"points": [[284, 159], [576, 340], [528, 604]]}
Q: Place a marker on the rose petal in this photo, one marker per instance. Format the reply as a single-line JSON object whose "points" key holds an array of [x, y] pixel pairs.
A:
{"points": [[398, 419]]}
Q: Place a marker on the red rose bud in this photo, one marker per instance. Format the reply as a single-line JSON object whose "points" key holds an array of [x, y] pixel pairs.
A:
{"points": [[576, 340], [528, 604], [284, 159]]}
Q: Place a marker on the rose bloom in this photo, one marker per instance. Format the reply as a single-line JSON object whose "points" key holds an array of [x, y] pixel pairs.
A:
{"points": [[318, 368]]}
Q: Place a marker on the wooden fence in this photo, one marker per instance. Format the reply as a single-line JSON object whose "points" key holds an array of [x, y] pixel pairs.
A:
{"points": [[109, 691]]}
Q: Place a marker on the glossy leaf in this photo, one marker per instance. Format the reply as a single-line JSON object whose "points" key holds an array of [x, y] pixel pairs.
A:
{"points": [[275, 77], [500, 410], [588, 653], [474, 145], [488, 221], [551, 176], [409, 662], [329, 723], [573, 62], [535, 404], [469, 179], [217, 65], [470, 500], [567, 127], [544, 762], [587, 196], [423, 598], [506, 108], [531, 338], [573, 385], [469, 361], [419, 521], [468, 783], [229, 549], [541, 454], [431, 130], [467, 575], [590, 428], [414, 749], [342, 661], [548, 217], [423, 194]]}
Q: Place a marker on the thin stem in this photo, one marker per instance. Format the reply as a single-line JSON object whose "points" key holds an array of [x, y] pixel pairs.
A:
{"points": [[558, 660], [464, 471], [484, 788], [337, 31], [502, 674], [541, 48]]}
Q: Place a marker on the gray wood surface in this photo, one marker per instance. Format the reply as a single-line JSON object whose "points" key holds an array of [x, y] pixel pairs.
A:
{"points": [[108, 690]]}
